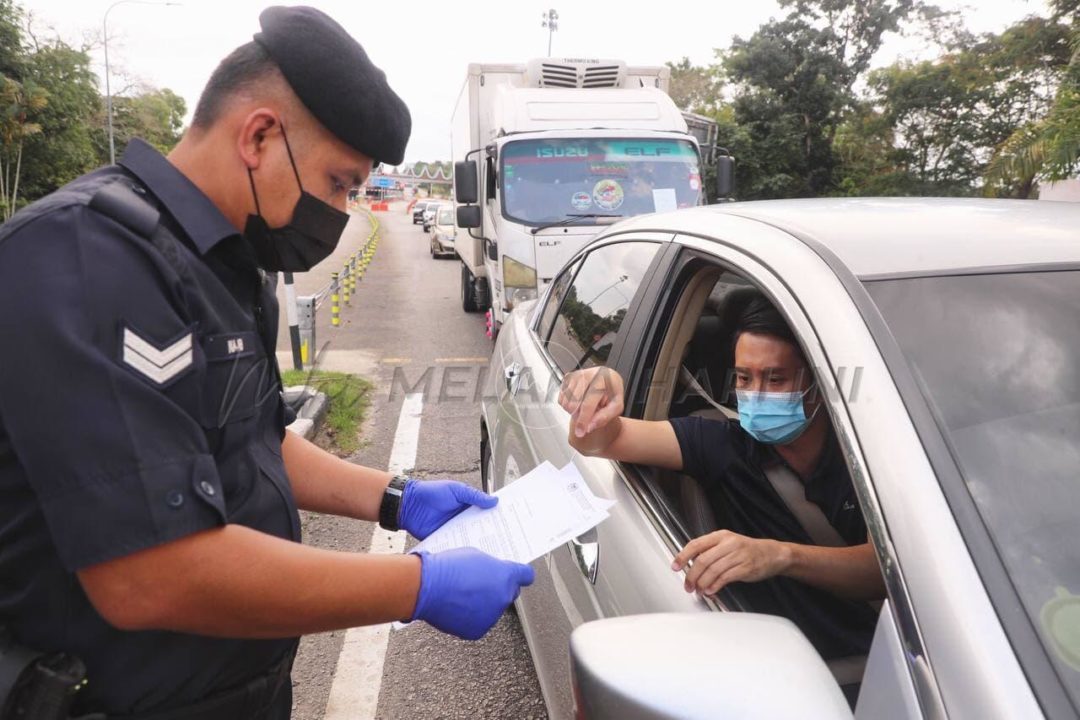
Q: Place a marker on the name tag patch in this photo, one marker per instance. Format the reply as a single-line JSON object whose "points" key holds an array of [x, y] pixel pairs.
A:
{"points": [[160, 365]]}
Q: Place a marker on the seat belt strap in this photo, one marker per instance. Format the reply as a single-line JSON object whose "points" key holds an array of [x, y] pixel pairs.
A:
{"points": [[689, 379], [793, 493]]}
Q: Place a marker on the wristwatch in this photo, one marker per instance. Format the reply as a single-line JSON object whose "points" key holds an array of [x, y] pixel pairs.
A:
{"points": [[390, 507]]}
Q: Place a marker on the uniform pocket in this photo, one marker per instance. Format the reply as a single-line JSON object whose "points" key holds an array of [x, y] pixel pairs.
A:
{"points": [[236, 378]]}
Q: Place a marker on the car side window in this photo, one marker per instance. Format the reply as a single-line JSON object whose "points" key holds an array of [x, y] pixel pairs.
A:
{"points": [[559, 286], [596, 303]]}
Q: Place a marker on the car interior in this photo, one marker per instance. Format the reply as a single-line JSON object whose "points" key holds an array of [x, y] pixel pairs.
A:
{"points": [[693, 375]]}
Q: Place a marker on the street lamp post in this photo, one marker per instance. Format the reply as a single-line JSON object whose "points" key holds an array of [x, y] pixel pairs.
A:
{"points": [[550, 20], [108, 89]]}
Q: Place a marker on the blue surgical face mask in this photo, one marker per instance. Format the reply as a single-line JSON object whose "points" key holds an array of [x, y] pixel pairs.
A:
{"points": [[774, 418]]}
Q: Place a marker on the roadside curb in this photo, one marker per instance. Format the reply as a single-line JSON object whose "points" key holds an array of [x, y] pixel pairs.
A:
{"points": [[312, 410]]}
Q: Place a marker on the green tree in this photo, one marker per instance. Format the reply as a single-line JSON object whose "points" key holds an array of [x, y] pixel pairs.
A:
{"points": [[70, 123], [794, 81], [948, 116], [19, 103], [11, 40], [1047, 147], [155, 115], [789, 96], [694, 88]]}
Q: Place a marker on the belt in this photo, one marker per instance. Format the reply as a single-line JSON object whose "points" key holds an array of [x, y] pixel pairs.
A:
{"points": [[266, 697]]}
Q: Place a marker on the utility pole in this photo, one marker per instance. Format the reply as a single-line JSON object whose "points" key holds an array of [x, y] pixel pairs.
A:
{"points": [[550, 20], [108, 89]]}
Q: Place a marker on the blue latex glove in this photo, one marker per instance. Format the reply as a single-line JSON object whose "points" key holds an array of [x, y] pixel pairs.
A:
{"points": [[464, 591], [427, 504]]}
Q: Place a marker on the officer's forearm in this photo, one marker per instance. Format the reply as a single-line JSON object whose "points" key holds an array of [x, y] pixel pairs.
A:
{"points": [[237, 582], [325, 483]]}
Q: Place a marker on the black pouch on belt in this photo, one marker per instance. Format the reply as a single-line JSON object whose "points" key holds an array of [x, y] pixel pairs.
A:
{"points": [[35, 685]]}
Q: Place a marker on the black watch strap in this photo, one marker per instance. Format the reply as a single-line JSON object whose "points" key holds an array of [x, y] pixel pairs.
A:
{"points": [[390, 508]]}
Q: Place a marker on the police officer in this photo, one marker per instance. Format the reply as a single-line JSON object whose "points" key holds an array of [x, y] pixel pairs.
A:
{"points": [[148, 487]]}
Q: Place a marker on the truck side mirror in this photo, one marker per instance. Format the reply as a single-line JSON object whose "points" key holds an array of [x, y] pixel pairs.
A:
{"points": [[725, 176], [466, 183], [468, 216]]}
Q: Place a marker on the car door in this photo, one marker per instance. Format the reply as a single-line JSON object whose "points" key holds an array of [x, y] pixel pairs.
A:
{"points": [[622, 566]]}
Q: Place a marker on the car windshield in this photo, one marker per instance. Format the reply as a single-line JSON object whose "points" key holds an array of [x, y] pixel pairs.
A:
{"points": [[446, 216], [548, 180], [998, 361]]}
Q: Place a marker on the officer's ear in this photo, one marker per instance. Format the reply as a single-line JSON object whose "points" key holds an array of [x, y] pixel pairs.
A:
{"points": [[259, 125]]}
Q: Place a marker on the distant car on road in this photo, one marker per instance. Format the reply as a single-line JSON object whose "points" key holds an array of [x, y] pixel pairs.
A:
{"points": [[418, 210], [443, 232], [429, 214], [944, 337]]}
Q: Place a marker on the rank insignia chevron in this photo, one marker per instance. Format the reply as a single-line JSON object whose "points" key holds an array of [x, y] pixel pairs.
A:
{"points": [[159, 365]]}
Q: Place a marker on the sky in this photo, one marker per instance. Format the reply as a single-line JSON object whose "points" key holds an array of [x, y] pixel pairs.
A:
{"points": [[424, 45]]}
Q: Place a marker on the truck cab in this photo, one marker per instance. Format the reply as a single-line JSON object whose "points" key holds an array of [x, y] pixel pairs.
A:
{"points": [[548, 153]]}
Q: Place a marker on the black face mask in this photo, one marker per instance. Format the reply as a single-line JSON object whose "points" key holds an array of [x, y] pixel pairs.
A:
{"points": [[306, 240]]}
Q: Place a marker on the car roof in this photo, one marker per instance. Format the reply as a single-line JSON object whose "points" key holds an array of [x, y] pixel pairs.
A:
{"points": [[884, 237]]}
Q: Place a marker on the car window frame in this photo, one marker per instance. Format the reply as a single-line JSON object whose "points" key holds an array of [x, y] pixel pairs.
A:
{"points": [[570, 269], [656, 265]]}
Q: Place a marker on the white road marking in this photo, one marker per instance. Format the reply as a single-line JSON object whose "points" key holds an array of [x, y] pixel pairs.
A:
{"points": [[354, 694]]}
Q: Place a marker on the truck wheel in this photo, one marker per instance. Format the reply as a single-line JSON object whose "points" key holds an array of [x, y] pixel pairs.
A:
{"points": [[468, 290]]}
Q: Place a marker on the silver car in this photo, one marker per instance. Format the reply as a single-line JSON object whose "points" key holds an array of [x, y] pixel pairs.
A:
{"points": [[443, 232], [946, 335]]}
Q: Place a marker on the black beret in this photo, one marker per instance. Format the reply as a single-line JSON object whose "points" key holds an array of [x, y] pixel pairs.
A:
{"points": [[333, 77]]}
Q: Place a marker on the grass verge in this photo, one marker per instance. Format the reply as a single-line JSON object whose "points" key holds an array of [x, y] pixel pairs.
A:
{"points": [[348, 396]]}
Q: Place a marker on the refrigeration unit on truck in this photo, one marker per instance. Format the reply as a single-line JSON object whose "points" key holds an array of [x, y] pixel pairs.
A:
{"points": [[547, 151]]}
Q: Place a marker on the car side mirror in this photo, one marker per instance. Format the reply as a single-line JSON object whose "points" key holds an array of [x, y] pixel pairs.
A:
{"points": [[466, 182], [725, 176], [700, 665], [468, 216]]}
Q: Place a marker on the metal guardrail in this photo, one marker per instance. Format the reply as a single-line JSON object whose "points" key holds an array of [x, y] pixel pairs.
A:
{"points": [[340, 289]]}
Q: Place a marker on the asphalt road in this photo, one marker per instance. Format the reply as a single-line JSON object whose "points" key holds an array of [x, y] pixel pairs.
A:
{"points": [[404, 321]]}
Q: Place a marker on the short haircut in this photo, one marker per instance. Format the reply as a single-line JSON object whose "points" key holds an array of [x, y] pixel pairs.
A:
{"points": [[243, 68], [759, 316]]}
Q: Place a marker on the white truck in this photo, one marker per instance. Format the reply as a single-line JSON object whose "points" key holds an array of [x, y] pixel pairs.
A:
{"points": [[548, 150]]}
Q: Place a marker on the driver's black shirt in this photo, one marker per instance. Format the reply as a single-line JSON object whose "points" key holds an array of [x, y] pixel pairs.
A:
{"points": [[728, 464]]}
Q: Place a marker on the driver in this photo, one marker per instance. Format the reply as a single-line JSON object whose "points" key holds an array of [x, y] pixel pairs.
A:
{"points": [[763, 549]]}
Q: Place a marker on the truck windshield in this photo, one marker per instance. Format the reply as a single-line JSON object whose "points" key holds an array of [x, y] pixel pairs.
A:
{"points": [[547, 180]]}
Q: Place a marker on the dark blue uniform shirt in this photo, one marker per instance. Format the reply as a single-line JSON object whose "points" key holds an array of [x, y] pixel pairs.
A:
{"points": [[728, 464], [139, 403]]}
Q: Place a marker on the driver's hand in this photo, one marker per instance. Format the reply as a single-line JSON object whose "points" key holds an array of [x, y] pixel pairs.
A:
{"points": [[593, 397]]}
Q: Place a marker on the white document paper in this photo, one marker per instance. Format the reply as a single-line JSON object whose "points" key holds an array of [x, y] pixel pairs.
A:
{"points": [[664, 200], [537, 513]]}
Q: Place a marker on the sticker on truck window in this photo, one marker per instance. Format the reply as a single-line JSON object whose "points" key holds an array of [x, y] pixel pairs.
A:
{"points": [[581, 201], [607, 194]]}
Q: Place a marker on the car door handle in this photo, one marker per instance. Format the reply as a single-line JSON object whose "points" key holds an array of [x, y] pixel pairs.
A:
{"points": [[512, 374], [586, 551]]}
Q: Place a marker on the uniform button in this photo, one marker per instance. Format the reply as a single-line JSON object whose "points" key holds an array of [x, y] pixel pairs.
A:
{"points": [[175, 499], [207, 488]]}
